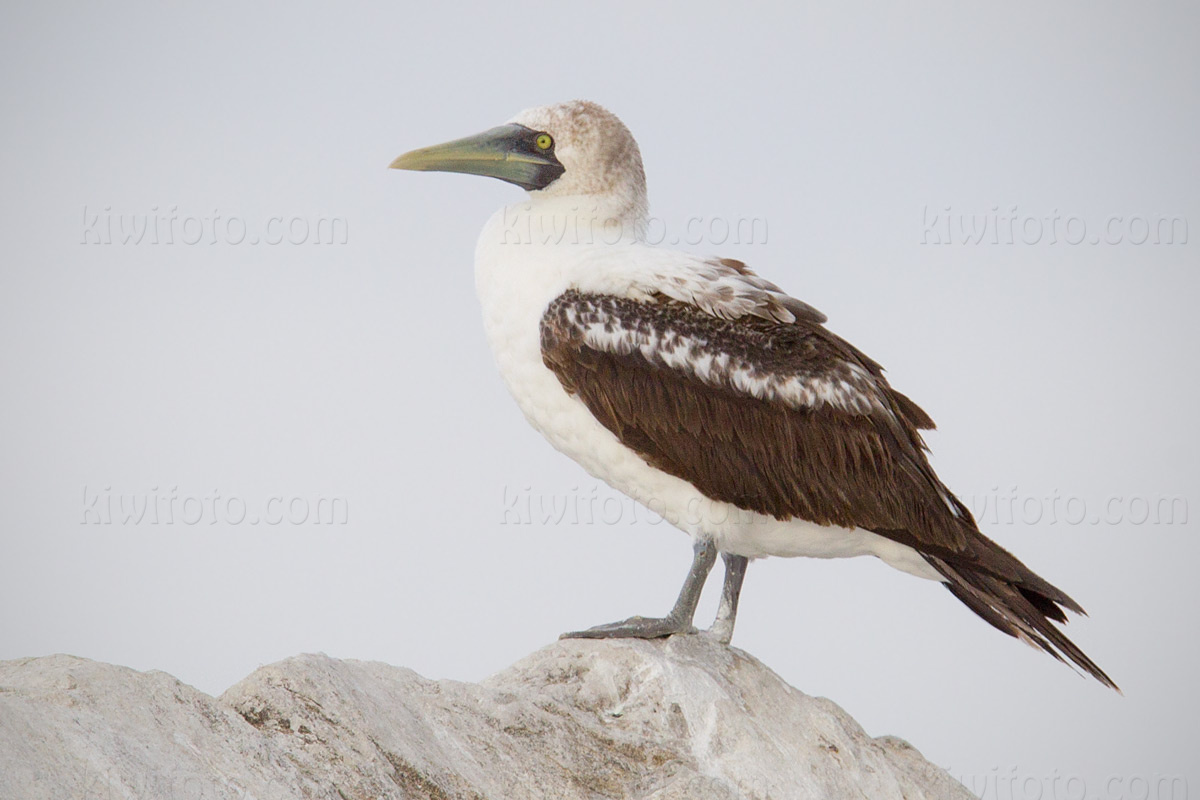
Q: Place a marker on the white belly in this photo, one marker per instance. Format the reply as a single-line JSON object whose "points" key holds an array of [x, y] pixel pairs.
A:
{"points": [[515, 283]]}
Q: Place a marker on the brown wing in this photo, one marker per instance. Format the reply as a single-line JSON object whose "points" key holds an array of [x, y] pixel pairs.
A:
{"points": [[794, 423], [791, 421]]}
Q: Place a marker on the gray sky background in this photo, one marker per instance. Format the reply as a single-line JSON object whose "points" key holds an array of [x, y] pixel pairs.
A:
{"points": [[359, 371]]}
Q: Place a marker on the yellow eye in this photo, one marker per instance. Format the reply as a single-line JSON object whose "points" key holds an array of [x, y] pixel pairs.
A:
{"points": [[543, 141]]}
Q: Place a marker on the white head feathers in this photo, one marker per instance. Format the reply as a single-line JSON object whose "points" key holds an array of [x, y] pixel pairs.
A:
{"points": [[602, 161]]}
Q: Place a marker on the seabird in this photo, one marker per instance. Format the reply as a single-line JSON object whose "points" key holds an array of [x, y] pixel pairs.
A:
{"points": [[707, 393]]}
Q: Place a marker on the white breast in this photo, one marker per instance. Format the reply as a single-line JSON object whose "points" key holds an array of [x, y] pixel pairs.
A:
{"points": [[515, 281]]}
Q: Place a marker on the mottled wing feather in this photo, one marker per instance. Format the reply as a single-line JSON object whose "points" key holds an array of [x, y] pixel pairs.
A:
{"points": [[721, 287]]}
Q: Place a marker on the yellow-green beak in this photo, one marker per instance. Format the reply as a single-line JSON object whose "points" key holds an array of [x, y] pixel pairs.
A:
{"points": [[509, 152]]}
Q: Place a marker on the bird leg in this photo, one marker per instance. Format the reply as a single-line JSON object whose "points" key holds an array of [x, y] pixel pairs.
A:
{"points": [[735, 573], [680, 618]]}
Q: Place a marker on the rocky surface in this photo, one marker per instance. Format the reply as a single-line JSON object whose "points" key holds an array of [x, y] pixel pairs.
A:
{"points": [[671, 719]]}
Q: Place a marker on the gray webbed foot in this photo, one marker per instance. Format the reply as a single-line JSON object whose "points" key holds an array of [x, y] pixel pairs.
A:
{"points": [[704, 554], [635, 628]]}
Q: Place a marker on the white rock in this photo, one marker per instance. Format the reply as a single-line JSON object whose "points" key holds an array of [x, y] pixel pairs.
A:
{"points": [[667, 720]]}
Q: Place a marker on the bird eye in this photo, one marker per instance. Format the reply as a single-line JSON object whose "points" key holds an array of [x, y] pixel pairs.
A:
{"points": [[544, 141]]}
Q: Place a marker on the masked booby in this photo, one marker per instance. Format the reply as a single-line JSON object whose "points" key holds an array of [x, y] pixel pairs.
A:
{"points": [[707, 393]]}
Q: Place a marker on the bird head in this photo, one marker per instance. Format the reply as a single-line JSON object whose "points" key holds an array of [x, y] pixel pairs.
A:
{"points": [[573, 149]]}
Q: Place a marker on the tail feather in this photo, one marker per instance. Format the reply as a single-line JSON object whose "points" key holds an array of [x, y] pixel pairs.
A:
{"points": [[1019, 611], [1045, 605]]}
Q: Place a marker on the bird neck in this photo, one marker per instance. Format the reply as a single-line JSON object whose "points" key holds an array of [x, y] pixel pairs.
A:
{"points": [[581, 219]]}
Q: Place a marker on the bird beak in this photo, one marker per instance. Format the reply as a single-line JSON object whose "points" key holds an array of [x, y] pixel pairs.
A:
{"points": [[508, 152]]}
